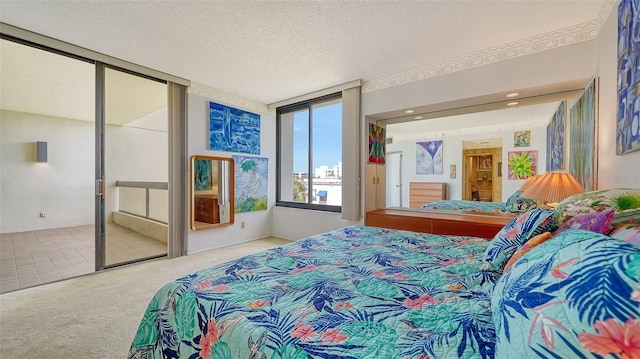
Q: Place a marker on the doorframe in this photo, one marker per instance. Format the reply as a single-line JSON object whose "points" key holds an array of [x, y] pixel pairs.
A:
{"points": [[399, 174]]}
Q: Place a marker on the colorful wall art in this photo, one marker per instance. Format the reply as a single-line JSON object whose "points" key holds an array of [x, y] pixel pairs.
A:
{"points": [[582, 140], [452, 171], [522, 138], [555, 139], [376, 144], [233, 130], [628, 120], [202, 177], [429, 157], [251, 183], [522, 164]]}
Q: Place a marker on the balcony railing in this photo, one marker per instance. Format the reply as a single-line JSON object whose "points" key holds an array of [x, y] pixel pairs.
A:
{"points": [[152, 204]]}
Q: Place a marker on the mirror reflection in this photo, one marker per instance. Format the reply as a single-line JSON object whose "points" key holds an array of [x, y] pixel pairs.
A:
{"points": [[211, 181]]}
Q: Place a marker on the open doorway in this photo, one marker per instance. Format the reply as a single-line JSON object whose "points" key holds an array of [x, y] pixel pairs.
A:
{"points": [[481, 170]]}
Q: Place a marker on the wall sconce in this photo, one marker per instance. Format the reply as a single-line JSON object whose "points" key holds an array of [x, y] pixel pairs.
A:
{"points": [[41, 151]]}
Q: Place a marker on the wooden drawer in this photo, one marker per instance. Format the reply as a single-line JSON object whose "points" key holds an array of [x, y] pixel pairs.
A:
{"points": [[206, 209]]}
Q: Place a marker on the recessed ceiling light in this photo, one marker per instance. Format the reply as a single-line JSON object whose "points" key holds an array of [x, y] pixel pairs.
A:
{"points": [[418, 118], [409, 111], [513, 94], [513, 103]]}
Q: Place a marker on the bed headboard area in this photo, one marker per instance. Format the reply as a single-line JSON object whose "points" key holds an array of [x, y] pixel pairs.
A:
{"points": [[426, 192]]}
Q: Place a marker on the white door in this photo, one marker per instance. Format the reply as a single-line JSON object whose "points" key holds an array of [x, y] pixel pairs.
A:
{"points": [[394, 179]]}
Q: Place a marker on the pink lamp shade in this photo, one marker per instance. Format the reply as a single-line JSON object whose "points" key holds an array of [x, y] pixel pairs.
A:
{"points": [[552, 187]]}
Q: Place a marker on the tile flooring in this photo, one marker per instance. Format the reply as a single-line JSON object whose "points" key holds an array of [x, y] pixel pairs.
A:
{"points": [[36, 257]]}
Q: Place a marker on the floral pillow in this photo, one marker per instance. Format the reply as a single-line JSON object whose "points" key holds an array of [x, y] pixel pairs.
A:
{"points": [[518, 204], [618, 199], [629, 216], [534, 241], [596, 222], [627, 232], [512, 236], [576, 295]]}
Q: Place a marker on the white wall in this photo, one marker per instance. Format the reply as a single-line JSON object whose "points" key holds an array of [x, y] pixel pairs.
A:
{"points": [[258, 224], [613, 170], [452, 155], [63, 187]]}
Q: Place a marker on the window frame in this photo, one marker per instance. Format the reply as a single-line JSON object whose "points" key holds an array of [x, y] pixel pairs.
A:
{"points": [[298, 106]]}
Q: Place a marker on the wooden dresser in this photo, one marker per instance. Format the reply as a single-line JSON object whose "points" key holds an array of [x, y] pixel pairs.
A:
{"points": [[484, 225], [206, 209], [426, 192]]}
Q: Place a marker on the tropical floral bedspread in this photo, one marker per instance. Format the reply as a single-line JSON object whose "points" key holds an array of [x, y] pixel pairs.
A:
{"points": [[471, 206], [357, 292]]}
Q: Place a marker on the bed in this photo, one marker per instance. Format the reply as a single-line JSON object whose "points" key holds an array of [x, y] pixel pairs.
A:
{"points": [[365, 292], [356, 292], [514, 204]]}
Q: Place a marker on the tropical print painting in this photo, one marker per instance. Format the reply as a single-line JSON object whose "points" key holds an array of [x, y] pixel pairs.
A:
{"points": [[233, 130], [522, 164], [376, 144], [628, 120], [555, 139], [429, 157], [251, 192], [521, 138], [577, 295], [356, 292]]}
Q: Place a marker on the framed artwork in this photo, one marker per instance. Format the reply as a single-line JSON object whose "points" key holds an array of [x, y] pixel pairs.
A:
{"points": [[429, 157], [452, 171], [555, 139], [251, 183], [202, 176], [484, 162], [376, 144], [233, 130], [522, 138], [628, 119], [522, 164], [583, 133]]}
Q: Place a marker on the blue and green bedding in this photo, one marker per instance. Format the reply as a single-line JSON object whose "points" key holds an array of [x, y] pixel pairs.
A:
{"points": [[514, 204], [356, 292]]}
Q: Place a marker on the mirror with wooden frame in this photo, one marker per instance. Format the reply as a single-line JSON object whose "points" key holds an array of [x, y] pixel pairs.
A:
{"points": [[211, 180]]}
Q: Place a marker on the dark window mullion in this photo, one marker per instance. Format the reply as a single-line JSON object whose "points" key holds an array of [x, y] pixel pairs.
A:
{"points": [[310, 154]]}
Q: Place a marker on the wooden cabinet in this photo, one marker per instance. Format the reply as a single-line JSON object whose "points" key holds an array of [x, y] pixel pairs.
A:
{"points": [[426, 192], [206, 209], [439, 222]]}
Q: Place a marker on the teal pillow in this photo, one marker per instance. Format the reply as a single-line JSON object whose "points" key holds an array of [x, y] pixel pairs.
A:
{"points": [[518, 204], [512, 236], [576, 295]]}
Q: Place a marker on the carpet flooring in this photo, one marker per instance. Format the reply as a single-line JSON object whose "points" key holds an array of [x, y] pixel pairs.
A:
{"points": [[96, 316]]}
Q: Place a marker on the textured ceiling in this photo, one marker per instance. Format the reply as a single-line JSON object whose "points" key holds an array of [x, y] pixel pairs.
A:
{"points": [[269, 51]]}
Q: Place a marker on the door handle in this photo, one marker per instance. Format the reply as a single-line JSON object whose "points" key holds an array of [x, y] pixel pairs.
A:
{"points": [[100, 187]]}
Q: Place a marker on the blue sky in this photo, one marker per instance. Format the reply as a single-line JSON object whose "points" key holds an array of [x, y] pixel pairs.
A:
{"points": [[327, 140]]}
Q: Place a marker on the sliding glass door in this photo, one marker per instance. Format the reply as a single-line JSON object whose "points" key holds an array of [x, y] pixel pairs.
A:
{"points": [[132, 176]]}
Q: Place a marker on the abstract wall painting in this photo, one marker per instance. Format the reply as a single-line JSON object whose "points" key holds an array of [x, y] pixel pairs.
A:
{"points": [[251, 191], [429, 157], [233, 130], [202, 176], [583, 132], [377, 143], [452, 171], [522, 164], [628, 120], [556, 130], [521, 138]]}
